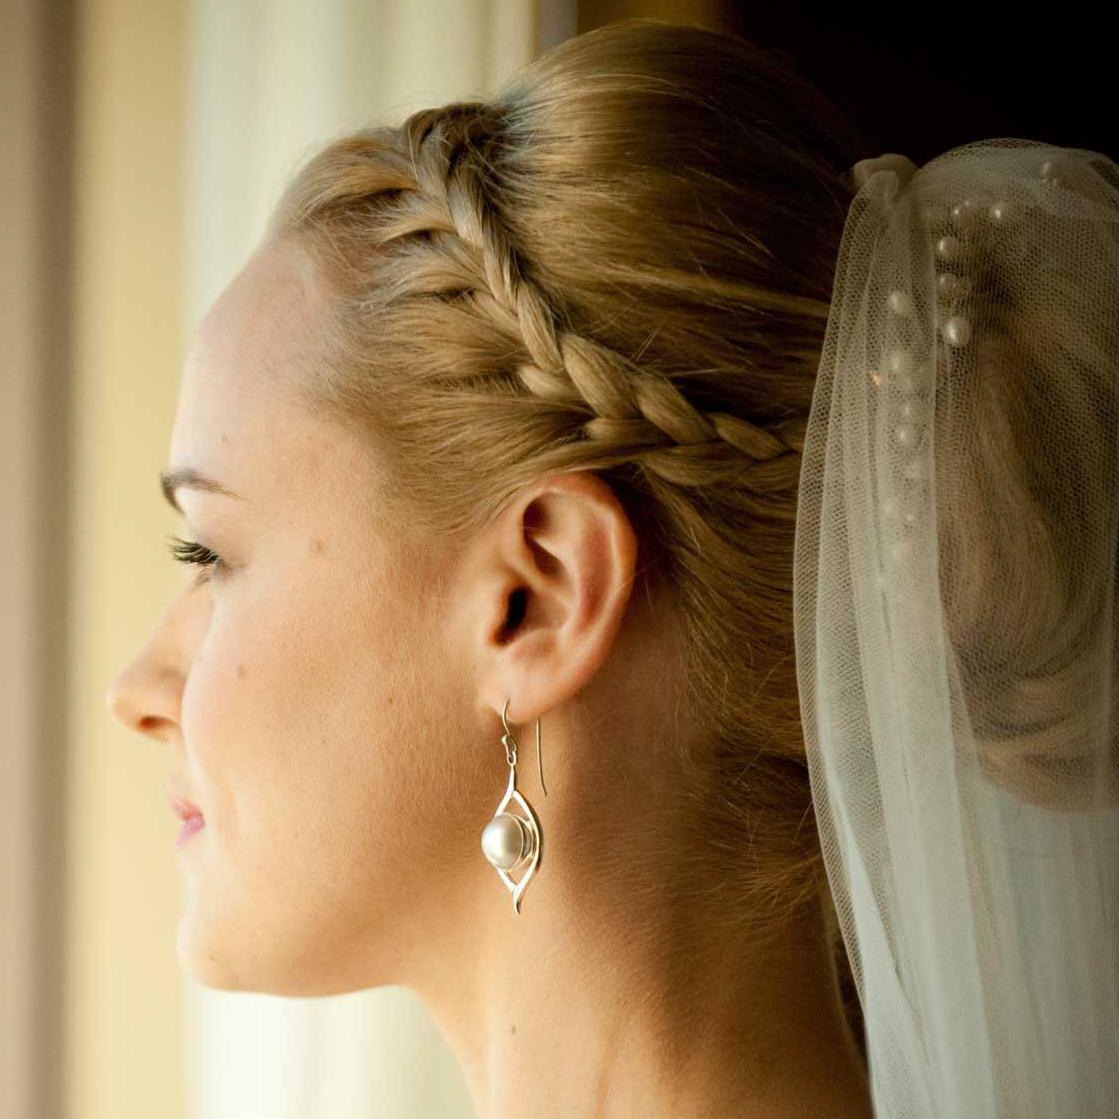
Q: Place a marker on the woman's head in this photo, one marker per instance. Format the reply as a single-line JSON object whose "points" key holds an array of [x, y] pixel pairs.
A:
{"points": [[328, 680], [592, 306]]}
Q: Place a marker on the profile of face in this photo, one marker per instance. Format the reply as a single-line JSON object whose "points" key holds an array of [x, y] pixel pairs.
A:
{"points": [[322, 689], [287, 679]]}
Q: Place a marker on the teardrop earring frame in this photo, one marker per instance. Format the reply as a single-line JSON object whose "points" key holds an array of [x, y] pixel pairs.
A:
{"points": [[529, 823]]}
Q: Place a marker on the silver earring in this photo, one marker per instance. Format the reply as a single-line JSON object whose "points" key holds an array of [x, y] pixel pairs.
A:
{"points": [[509, 840]]}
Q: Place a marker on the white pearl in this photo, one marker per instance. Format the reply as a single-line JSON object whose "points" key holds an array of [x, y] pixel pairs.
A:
{"points": [[906, 409], [947, 284], [900, 362], [505, 840], [948, 248], [889, 508], [899, 550], [1049, 168], [1002, 213], [900, 303], [956, 331], [903, 433], [933, 214], [965, 213]]}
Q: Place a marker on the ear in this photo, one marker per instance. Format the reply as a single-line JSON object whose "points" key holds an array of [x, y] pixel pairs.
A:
{"points": [[547, 590]]}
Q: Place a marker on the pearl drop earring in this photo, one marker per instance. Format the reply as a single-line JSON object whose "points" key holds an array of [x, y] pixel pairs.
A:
{"points": [[509, 839]]}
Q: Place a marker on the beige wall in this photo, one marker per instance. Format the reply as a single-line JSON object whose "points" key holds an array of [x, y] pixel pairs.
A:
{"points": [[124, 997], [34, 240]]}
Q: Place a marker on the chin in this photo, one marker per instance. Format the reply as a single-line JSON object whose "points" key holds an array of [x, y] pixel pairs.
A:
{"points": [[207, 965], [235, 961]]}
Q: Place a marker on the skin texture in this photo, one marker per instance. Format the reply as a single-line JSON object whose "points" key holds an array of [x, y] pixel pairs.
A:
{"points": [[331, 700]]}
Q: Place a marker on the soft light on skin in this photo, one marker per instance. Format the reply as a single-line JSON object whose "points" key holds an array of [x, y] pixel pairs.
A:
{"points": [[332, 703]]}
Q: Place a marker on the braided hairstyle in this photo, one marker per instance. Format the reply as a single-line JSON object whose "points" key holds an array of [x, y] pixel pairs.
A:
{"points": [[620, 263]]}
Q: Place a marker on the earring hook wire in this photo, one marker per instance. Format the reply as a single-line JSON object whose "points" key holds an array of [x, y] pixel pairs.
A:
{"points": [[513, 755]]}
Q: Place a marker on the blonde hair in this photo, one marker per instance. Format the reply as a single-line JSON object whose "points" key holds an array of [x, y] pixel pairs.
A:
{"points": [[621, 263]]}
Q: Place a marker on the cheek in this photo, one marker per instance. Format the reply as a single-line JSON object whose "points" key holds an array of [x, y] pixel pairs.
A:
{"points": [[313, 731], [331, 739]]}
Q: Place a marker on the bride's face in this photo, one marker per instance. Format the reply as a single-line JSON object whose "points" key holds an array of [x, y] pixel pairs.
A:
{"points": [[293, 689]]}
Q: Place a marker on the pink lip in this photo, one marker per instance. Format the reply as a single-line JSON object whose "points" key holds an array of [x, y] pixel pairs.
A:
{"points": [[183, 807], [190, 826]]}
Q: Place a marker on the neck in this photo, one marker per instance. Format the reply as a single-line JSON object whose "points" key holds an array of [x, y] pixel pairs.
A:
{"points": [[585, 1004]]}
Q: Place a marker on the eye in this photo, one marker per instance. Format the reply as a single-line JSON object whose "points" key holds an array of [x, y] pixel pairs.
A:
{"points": [[189, 551]]}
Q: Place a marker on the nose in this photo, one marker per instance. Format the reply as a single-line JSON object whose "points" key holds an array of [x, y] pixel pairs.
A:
{"points": [[145, 699], [146, 695]]}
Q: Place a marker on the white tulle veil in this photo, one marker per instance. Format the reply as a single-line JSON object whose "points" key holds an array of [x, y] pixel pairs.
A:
{"points": [[956, 627]]}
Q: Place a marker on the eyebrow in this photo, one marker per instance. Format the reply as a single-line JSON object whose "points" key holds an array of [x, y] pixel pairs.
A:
{"points": [[171, 480]]}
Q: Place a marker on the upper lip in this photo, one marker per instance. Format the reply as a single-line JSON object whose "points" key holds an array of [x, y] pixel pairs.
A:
{"points": [[181, 806]]}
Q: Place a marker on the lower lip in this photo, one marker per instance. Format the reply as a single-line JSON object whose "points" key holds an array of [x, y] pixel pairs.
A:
{"points": [[194, 824]]}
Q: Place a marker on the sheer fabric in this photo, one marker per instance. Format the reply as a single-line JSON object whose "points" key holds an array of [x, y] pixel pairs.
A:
{"points": [[956, 627]]}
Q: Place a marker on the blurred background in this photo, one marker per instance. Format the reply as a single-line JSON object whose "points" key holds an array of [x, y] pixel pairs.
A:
{"points": [[143, 143]]}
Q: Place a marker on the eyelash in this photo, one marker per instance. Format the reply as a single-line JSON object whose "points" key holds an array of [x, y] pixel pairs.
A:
{"points": [[190, 551]]}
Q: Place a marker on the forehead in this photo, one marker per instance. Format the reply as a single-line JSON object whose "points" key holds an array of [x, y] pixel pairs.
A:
{"points": [[258, 329], [239, 418]]}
